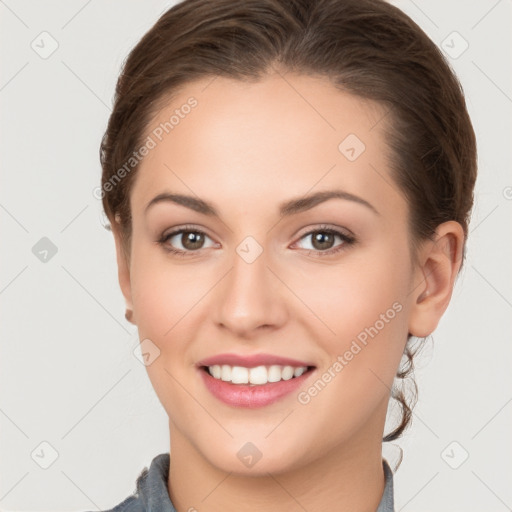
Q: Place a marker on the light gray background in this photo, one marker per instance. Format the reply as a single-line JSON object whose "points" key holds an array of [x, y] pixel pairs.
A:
{"points": [[68, 374]]}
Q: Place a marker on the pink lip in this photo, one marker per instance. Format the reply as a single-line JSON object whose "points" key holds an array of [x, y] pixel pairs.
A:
{"points": [[250, 396], [251, 361]]}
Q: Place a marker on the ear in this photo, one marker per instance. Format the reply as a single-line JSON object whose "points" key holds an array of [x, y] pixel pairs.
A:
{"points": [[439, 261], [123, 267]]}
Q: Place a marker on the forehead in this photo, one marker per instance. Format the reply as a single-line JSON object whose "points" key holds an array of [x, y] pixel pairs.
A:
{"points": [[286, 134]]}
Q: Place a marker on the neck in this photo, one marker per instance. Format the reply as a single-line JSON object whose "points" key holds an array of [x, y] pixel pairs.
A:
{"points": [[351, 477]]}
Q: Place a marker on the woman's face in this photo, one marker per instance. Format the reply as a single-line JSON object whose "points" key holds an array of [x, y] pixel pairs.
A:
{"points": [[326, 283]]}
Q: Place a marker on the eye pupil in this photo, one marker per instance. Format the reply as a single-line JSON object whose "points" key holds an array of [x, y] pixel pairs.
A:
{"points": [[195, 239], [323, 239]]}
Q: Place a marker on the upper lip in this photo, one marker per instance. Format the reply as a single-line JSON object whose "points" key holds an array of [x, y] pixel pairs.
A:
{"points": [[251, 361]]}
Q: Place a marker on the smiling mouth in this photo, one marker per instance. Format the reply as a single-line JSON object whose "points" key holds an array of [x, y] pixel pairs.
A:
{"points": [[255, 376]]}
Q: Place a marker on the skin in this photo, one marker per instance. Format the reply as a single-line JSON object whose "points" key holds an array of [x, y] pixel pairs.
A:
{"points": [[246, 148]]}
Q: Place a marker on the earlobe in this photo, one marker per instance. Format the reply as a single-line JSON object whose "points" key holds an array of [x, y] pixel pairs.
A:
{"points": [[123, 270], [439, 263]]}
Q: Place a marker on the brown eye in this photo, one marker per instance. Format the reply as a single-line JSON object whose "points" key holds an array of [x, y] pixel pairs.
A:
{"points": [[192, 240], [323, 241], [184, 241]]}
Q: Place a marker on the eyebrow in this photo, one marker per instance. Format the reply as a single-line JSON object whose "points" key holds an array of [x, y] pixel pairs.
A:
{"points": [[288, 208]]}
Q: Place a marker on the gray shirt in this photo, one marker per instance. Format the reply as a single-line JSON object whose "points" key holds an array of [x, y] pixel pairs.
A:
{"points": [[151, 494]]}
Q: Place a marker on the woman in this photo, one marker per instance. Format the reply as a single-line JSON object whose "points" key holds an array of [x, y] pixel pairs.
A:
{"points": [[289, 185]]}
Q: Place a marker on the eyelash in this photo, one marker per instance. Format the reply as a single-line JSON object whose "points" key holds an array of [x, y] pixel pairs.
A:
{"points": [[347, 241]]}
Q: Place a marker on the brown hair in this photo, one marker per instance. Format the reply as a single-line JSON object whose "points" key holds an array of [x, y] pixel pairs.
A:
{"points": [[365, 47]]}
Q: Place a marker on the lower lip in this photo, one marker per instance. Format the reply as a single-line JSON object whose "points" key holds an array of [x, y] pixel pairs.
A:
{"points": [[244, 395]]}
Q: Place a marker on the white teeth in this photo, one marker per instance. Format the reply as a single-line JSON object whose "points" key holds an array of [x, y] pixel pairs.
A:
{"points": [[256, 376], [298, 372], [225, 372], [239, 375], [216, 371], [287, 372], [274, 373]]}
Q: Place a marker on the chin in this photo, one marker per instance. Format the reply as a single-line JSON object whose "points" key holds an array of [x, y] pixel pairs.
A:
{"points": [[253, 459]]}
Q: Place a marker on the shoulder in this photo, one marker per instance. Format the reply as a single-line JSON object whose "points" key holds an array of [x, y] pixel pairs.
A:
{"points": [[151, 485], [387, 501]]}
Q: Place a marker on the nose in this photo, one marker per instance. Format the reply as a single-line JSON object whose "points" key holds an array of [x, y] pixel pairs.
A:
{"points": [[251, 299]]}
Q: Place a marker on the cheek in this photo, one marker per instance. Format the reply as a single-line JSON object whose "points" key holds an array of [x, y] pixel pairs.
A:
{"points": [[163, 294], [368, 313], [164, 300], [363, 302], [353, 295]]}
